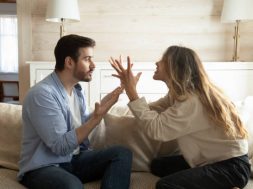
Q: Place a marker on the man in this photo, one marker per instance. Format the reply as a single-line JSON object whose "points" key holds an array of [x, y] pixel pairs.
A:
{"points": [[56, 124]]}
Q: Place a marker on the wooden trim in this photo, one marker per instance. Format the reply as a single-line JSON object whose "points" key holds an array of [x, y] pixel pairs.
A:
{"points": [[25, 44], [3, 96], [8, 1]]}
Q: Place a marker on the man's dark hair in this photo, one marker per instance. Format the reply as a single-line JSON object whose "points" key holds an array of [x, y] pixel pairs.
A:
{"points": [[69, 46]]}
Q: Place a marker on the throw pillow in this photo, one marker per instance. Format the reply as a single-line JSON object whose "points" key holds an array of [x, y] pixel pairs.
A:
{"points": [[119, 127]]}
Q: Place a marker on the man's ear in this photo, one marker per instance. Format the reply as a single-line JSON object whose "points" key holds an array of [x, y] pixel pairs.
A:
{"points": [[68, 64]]}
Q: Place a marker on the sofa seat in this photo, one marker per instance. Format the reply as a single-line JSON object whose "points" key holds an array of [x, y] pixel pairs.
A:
{"points": [[139, 180]]}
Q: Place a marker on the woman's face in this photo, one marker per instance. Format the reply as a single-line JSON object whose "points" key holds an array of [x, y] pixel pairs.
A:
{"points": [[160, 72]]}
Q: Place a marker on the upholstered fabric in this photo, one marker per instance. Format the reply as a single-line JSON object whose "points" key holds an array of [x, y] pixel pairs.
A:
{"points": [[10, 135], [8, 179], [139, 180]]}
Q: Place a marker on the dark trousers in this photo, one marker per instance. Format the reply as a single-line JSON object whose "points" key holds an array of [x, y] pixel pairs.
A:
{"points": [[112, 165], [177, 174]]}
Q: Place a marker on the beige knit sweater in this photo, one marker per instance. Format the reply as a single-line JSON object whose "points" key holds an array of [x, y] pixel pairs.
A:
{"points": [[200, 140]]}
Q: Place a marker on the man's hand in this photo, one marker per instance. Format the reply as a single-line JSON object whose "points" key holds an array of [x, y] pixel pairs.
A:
{"points": [[114, 94], [106, 103], [100, 110]]}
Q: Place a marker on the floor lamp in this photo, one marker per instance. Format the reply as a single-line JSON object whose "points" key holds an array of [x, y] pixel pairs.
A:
{"points": [[62, 11], [236, 11]]}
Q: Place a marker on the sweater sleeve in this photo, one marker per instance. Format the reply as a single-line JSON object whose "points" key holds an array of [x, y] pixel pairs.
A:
{"points": [[175, 121], [161, 104]]}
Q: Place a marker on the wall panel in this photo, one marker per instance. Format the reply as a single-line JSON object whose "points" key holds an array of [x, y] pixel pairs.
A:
{"points": [[143, 29]]}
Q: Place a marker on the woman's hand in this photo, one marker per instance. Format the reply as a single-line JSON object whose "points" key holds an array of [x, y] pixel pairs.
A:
{"points": [[127, 79]]}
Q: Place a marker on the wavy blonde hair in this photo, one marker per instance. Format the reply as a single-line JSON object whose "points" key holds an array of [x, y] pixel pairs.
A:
{"points": [[187, 76]]}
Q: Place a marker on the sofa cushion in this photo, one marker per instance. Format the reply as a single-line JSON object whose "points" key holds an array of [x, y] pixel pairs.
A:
{"points": [[10, 135], [8, 179], [119, 127]]}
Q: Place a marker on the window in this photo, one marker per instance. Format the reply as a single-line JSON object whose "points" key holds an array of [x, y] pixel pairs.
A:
{"points": [[8, 44]]}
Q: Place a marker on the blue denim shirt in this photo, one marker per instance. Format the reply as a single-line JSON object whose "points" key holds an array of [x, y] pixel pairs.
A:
{"points": [[48, 137]]}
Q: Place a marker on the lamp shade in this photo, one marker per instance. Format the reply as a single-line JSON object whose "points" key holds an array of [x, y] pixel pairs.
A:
{"points": [[62, 9], [237, 10]]}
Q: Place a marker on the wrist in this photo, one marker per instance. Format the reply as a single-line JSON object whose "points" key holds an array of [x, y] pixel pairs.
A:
{"points": [[93, 122], [132, 95]]}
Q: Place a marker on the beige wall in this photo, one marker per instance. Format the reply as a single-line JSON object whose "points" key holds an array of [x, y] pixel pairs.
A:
{"points": [[141, 29]]}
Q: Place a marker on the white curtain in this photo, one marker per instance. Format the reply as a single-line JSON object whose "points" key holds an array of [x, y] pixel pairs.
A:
{"points": [[8, 44]]}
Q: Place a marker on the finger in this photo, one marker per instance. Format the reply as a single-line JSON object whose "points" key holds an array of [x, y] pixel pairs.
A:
{"points": [[138, 76], [129, 64], [96, 107], [115, 75], [115, 66], [110, 61], [120, 65], [113, 62], [120, 59]]}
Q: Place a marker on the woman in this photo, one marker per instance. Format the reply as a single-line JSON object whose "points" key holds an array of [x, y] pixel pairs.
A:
{"points": [[209, 132]]}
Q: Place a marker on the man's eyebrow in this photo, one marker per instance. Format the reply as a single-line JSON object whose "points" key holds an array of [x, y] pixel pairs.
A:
{"points": [[87, 56]]}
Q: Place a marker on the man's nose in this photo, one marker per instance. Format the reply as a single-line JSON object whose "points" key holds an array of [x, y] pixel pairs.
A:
{"points": [[92, 64]]}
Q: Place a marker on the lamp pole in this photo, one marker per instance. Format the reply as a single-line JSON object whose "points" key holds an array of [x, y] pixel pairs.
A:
{"points": [[236, 41], [62, 28]]}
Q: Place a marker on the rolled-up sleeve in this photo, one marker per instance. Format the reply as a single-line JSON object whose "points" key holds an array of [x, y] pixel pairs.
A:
{"points": [[45, 114]]}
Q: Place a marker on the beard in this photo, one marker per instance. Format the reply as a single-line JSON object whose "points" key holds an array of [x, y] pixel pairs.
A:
{"points": [[83, 76]]}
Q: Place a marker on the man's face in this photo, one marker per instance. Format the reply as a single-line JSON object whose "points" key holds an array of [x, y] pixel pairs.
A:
{"points": [[84, 66]]}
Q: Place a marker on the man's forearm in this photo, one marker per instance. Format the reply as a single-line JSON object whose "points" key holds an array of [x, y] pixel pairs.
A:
{"points": [[84, 130]]}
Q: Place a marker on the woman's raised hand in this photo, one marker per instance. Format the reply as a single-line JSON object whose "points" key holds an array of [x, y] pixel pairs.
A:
{"points": [[127, 78]]}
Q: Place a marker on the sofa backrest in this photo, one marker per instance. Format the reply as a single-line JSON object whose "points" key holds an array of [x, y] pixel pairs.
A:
{"points": [[10, 135], [116, 129]]}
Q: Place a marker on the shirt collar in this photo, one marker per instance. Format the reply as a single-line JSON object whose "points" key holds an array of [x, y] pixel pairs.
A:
{"points": [[59, 85]]}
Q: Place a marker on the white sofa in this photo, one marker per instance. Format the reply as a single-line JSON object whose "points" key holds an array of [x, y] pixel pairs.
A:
{"points": [[113, 130]]}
